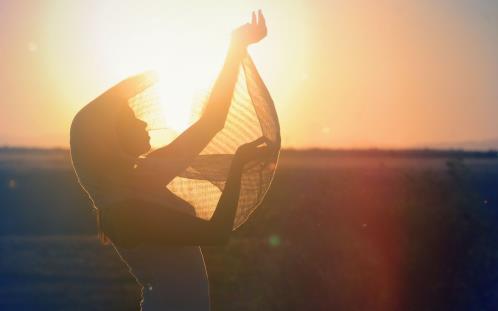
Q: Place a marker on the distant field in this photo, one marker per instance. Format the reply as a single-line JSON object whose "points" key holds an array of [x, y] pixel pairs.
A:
{"points": [[28, 159], [336, 232], [380, 163], [21, 159], [63, 273]]}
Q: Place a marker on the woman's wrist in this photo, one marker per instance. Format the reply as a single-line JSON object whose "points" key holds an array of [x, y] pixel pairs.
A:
{"points": [[237, 163], [238, 48]]}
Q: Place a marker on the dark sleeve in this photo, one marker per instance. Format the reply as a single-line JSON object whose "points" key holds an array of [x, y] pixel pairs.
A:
{"points": [[133, 222]]}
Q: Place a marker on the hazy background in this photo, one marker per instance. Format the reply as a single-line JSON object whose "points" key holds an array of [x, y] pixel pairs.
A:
{"points": [[342, 73], [357, 230], [340, 229]]}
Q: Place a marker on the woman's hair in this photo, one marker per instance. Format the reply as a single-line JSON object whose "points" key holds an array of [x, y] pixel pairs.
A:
{"points": [[97, 158]]}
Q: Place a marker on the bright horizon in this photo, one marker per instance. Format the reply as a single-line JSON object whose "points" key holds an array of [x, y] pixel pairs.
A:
{"points": [[342, 74]]}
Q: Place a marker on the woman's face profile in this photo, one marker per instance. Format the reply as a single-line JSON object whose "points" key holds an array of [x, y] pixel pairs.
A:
{"points": [[132, 134]]}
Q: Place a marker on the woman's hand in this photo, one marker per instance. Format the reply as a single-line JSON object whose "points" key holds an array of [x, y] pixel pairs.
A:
{"points": [[253, 151], [251, 32]]}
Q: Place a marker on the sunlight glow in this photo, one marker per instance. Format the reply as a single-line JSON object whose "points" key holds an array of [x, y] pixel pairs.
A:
{"points": [[360, 69], [184, 45]]}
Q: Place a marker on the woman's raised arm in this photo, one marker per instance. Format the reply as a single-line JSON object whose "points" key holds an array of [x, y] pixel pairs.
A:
{"points": [[193, 140]]}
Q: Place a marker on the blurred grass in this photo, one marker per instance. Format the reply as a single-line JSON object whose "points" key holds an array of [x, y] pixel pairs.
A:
{"points": [[369, 238], [333, 234]]}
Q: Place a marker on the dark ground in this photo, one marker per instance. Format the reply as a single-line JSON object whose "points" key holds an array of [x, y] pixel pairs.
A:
{"points": [[350, 231]]}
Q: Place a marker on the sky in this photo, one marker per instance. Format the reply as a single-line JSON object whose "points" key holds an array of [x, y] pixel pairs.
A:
{"points": [[343, 74]]}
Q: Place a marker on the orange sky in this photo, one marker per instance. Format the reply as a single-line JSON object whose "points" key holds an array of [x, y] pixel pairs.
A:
{"points": [[342, 73]]}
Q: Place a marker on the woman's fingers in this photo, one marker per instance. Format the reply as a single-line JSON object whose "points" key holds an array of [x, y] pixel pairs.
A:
{"points": [[261, 18], [261, 24], [257, 142], [251, 145], [251, 32], [262, 140], [257, 150]]}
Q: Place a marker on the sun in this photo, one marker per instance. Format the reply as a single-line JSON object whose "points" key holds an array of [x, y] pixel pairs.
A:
{"points": [[184, 45]]}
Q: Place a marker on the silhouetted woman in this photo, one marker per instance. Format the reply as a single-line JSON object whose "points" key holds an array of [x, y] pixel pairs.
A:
{"points": [[155, 232]]}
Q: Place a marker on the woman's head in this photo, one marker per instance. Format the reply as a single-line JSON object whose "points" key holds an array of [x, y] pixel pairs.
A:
{"points": [[132, 135], [106, 138]]}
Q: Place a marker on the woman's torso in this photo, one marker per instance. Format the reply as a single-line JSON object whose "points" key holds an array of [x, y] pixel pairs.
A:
{"points": [[172, 277]]}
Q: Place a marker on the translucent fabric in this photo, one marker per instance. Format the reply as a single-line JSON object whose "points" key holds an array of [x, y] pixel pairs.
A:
{"points": [[252, 115]]}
